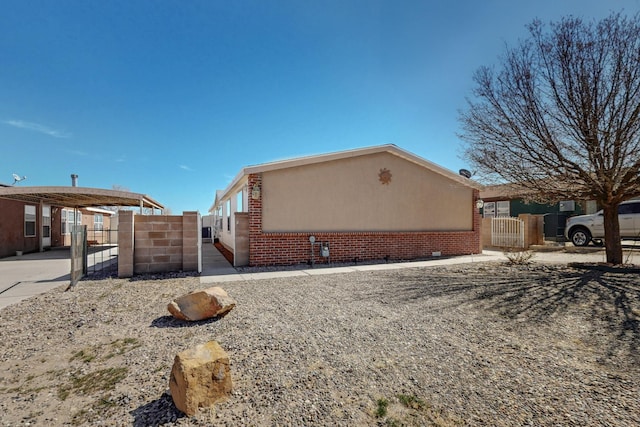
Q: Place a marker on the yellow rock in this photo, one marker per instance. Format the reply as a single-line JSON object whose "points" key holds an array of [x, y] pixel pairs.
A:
{"points": [[202, 304], [200, 377]]}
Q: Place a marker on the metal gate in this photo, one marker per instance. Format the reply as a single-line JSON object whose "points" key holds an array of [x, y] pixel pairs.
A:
{"points": [[507, 232], [78, 254], [93, 251], [102, 252]]}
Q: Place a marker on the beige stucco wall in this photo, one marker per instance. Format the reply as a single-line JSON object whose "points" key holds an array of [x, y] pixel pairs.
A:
{"points": [[347, 195]]}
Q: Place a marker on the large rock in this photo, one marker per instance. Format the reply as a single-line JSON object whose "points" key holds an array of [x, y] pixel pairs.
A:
{"points": [[203, 304], [200, 377]]}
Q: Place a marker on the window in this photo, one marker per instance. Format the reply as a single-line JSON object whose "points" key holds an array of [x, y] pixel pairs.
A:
{"points": [[29, 221], [98, 222], [46, 221], [239, 202], [489, 210], [228, 213], [629, 208], [502, 208], [68, 220], [218, 218]]}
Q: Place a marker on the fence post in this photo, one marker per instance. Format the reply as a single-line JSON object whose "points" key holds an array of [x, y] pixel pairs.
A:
{"points": [[190, 235], [125, 243], [526, 224]]}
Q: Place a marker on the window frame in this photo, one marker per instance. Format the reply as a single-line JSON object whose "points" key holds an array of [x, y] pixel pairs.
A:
{"points": [[98, 226], [67, 218], [30, 218]]}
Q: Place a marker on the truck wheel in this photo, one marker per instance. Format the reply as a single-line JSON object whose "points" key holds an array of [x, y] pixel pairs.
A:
{"points": [[580, 237]]}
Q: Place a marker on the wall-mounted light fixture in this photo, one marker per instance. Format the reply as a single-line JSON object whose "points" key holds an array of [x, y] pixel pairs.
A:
{"points": [[479, 203], [255, 192]]}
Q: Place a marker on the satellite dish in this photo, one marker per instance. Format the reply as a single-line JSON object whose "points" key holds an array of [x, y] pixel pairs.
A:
{"points": [[465, 173], [18, 178]]}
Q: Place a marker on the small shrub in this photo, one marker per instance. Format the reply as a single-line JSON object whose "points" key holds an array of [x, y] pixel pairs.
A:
{"points": [[518, 256], [412, 402], [120, 347], [103, 380], [85, 355], [381, 411]]}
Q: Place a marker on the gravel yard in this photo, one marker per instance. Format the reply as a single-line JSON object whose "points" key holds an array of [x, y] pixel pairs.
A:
{"points": [[475, 344]]}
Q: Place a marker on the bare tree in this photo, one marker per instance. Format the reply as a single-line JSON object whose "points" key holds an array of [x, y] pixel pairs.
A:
{"points": [[561, 118]]}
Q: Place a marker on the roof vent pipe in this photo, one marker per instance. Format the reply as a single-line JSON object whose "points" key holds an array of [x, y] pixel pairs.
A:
{"points": [[74, 180]]}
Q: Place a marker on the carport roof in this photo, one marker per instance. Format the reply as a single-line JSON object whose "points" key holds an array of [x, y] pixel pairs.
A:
{"points": [[78, 197]]}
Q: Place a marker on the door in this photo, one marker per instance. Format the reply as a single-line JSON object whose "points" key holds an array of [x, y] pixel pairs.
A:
{"points": [[46, 226]]}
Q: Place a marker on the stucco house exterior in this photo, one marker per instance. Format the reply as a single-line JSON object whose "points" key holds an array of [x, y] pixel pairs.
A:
{"points": [[98, 222], [375, 203]]}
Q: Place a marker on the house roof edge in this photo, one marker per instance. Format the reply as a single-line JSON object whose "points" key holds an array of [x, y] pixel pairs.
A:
{"points": [[338, 155]]}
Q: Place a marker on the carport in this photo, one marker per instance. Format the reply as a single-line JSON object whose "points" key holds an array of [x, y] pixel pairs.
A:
{"points": [[78, 197]]}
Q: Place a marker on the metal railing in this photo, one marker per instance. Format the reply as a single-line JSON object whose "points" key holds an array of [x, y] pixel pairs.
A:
{"points": [[102, 252], [507, 232]]}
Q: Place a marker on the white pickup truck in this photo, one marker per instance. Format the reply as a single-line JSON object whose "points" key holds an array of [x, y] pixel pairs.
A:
{"points": [[582, 229]]}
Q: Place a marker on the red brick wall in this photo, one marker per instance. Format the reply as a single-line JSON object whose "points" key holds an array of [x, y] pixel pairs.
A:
{"points": [[295, 248], [12, 236]]}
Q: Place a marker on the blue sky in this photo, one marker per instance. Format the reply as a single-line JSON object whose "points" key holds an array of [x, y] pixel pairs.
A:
{"points": [[172, 98]]}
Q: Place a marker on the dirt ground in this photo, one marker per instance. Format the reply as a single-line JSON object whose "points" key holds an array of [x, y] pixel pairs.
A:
{"points": [[486, 344]]}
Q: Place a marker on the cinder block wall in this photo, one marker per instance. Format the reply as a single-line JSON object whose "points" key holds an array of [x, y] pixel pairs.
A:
{"points": [[190, 233], [125, 244], [157, 243], [295, 248], [486, 232]]}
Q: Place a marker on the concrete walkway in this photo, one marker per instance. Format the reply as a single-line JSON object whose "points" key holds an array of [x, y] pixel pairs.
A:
{"points": [[225, 273], [219, 270], [31, 274], [214, 263]]}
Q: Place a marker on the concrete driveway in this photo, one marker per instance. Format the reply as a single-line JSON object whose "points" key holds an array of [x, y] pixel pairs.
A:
{"points": [[31, 274]]}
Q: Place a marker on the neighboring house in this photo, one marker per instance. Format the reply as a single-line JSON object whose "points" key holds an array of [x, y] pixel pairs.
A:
{"points": [[376, 203], [507, 201], [98, 222], [35, 218], [24, 224], [503, 200]]}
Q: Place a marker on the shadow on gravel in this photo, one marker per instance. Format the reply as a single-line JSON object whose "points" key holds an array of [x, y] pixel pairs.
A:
{"points": [[609, 301], [157, 413], [172, 322]]}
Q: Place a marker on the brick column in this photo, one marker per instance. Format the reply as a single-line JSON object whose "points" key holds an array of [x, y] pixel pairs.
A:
{"points": [[477, 223], [255, 217], [125, 243]]}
